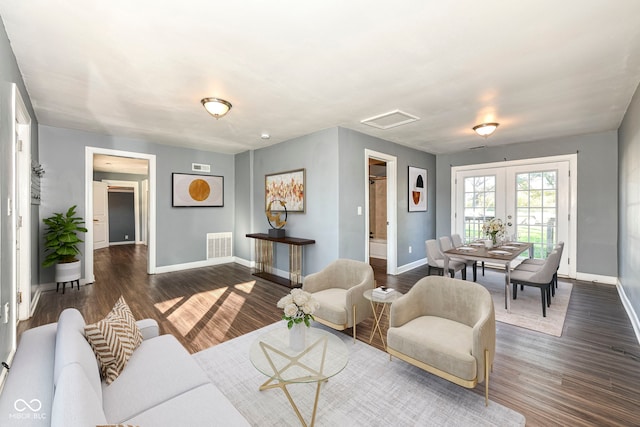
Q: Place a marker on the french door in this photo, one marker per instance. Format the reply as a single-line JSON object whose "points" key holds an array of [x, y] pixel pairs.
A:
{"points": [[533, 200]]}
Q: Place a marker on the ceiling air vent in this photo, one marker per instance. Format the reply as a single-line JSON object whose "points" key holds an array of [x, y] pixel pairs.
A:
{"points": [[390, 120], [198, 167]]}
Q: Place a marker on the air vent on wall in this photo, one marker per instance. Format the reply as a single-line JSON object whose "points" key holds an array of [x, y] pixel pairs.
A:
{"points": [[199, 167], [219, 245], [390, 120]]}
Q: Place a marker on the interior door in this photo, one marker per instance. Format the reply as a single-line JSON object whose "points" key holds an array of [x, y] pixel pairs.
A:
{"points": [[100, 215]]}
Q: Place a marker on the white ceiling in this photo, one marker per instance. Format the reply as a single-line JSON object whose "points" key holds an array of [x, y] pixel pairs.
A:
{"points": [[542, 68]]}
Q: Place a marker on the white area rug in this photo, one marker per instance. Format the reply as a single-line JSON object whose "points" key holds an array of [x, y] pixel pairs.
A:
{"points": [[526, 311], [370, 391]]}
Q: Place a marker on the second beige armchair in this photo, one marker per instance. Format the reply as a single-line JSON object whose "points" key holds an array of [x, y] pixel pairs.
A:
{"points": [[339, 289]]}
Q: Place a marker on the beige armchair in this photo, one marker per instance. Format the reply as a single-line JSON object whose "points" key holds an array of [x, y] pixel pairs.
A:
{"points": [[339, 288], [446, 327]]}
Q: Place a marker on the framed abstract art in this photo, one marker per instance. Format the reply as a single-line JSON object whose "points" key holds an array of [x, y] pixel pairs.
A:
{"points": [[287, 187], [417, 189], [197, 190]]}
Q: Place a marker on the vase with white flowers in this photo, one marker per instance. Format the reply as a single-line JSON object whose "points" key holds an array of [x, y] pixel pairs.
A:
{"points": [[298, 307], [494, 228]]}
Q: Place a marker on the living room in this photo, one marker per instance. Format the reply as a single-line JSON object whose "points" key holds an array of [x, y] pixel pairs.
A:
{"points": [[605, 244]]}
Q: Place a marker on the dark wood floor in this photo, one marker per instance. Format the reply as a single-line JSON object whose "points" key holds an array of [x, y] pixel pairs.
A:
{"points": [[589, 376]]}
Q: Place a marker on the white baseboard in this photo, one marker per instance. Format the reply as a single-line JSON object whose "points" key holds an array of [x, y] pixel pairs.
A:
{"points": [[633, 316], [244, 262], [596, 278], [52, 285], [412, 265], [124, 242], [36, 300], [196, 264]]}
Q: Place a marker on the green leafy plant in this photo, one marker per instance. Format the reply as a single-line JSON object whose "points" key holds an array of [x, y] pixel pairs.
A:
{"points": [[61, 237]]}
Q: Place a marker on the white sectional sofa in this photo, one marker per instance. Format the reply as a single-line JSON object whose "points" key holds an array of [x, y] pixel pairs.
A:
{"points": [[54, 381]]}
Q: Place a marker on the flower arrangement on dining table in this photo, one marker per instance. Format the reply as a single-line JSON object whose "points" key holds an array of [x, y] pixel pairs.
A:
{"points": [[494, 228], [298, 307]]}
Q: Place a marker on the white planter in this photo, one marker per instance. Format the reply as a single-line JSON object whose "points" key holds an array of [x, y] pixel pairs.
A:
{"points": [[68, 271]]}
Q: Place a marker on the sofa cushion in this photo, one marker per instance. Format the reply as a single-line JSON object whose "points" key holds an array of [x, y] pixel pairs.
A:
{"points": [[158, 370], [114, 339], [72, 347], [447, 346], [331, 305], [75, 403], [202, 406]]}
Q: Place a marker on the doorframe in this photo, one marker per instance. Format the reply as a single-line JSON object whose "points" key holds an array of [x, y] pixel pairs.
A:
{"points": [[573, 195], [88, 203], [22, 272], [392, 207], [136, 203]]}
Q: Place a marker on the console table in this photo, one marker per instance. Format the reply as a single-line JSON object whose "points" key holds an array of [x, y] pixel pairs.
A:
{"points": [[264, 245]]}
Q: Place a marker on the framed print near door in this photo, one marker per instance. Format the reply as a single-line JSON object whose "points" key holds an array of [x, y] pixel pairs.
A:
{"points": [[417, 189], [197, 190]]}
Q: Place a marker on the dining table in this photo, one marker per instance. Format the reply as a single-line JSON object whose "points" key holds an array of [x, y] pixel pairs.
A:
{"points": [[502, 254]]}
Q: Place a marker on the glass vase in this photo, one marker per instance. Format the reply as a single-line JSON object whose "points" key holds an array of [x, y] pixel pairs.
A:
{"points": [[297, 337]]}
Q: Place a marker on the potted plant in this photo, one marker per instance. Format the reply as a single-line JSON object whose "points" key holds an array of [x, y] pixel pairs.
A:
{"points": [[61, 244]]}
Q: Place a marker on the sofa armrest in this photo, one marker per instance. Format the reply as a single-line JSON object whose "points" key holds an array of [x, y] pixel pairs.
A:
{"points": [[149, 328], [404, 309], [355, 297]]}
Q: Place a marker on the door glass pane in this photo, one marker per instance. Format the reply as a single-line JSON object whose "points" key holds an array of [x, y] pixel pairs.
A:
{"points": [[479, 204], [536, 210]]}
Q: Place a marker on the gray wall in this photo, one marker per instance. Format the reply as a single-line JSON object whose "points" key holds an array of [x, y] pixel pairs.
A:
{"points": [[413, 227], [10, 73], [629, 203], [121, 217], [180, 232], [335, 180], [243, 208], [597, 191], [317, 154]]}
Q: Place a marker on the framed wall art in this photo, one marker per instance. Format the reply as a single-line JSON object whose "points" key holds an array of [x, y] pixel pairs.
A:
{"points": [[197, 190], [417, 189], [288, 187]]}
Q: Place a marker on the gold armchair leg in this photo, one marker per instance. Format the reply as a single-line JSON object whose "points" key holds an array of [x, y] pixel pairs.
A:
{"points": [[354, 323], [486, 377]]}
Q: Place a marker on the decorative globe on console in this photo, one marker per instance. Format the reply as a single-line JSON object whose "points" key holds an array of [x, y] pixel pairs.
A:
{"points": [[276, 220]]}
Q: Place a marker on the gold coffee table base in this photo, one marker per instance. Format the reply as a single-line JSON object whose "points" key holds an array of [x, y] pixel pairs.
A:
{"points": [[315, 375]]}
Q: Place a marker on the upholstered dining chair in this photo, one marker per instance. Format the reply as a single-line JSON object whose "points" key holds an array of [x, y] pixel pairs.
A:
{"points": [[339, 290], [435, 259], [535, 264], [542, 278], [446, 327], [446, 243]]}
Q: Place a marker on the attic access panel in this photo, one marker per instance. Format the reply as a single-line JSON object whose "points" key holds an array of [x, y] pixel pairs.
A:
{"points": [[390, 120]]}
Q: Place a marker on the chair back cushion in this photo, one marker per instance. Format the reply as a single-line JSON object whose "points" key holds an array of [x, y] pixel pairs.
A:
{"points": [[458, 300]]}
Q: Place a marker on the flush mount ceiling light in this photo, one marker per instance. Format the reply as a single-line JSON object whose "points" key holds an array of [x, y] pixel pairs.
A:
{"points": [[216, 107], [486, 129]]}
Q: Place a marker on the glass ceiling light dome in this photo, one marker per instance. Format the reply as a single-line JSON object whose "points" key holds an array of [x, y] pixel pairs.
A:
{"points": [[216, 107], [486, 129]]}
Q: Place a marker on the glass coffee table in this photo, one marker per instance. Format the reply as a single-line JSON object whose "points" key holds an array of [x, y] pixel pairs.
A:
{"points": [[380, 307], [324, 356]]}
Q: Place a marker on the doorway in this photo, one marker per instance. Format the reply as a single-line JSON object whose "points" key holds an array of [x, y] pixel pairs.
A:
{"points": [[381, 209], [150, 210]]}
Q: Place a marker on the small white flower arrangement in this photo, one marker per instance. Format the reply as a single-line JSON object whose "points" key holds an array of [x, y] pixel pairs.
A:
{"points": [[298, 307], [494, 228]]}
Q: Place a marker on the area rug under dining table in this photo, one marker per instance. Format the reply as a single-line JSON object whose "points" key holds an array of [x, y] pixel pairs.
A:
{"points": [[526, 310], [370, 391]]}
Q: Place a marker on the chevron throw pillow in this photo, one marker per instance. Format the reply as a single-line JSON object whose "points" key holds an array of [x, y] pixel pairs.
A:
{"points": [[113, 340]]}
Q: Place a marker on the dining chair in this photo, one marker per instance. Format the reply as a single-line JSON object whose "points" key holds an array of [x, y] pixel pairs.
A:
{"points": [[435, 259], [457, 241], [542, 278], [446, 243]]}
